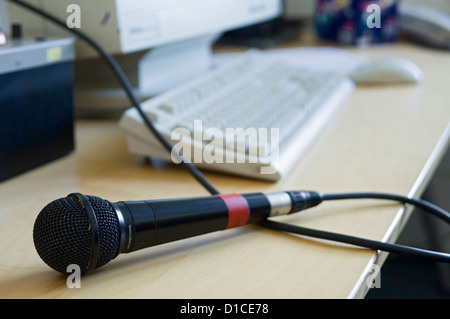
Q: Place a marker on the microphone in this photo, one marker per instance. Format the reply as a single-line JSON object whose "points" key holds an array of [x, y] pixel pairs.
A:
{"points": [[90, 232]]}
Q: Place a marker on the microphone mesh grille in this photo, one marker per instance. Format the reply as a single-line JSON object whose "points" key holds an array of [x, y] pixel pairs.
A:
{"points": [[62, 233], [108, 226]]}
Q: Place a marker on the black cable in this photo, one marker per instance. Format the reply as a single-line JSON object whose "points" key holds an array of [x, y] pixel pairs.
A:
{"points": [[122, 78], [367, 243], [371, 244], [425, 205], [357, 241]]}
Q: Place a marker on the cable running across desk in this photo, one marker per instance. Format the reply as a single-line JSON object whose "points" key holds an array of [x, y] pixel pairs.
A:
{"points": [[367, 243], [371, 244]]}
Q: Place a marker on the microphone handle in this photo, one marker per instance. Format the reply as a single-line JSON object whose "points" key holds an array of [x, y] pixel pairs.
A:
{"points": [[150, 223]]}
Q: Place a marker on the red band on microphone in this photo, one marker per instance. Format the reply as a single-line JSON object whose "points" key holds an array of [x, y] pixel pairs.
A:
{"points": [[238, 211]]}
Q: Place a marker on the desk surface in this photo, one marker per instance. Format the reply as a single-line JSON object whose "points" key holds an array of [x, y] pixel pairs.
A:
{"points": [[384, 139]]}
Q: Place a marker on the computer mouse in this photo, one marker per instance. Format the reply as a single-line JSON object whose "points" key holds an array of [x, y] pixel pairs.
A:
{"points": [[388, 70]]}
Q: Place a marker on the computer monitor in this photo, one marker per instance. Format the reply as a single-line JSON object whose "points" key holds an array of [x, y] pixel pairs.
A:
{"points": [[159, 43]]}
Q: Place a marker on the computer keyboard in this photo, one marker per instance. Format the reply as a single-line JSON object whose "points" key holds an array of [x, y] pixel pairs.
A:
{"points": [[253, 117]]}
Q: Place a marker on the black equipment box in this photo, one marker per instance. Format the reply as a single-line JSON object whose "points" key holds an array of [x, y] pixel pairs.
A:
{"points": [[36, 103]]}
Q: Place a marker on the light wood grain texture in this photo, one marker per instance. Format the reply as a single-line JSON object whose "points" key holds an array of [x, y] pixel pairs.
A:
{"points": [[380, 141]]}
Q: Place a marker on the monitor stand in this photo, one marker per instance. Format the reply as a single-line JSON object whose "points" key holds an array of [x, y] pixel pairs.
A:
{"points": [[151, 72]]}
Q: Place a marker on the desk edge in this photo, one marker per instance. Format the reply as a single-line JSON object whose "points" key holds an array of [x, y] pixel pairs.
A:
{"points": [[360, 289]]}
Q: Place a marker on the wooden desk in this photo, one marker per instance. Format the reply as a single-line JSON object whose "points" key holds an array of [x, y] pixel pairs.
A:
{"points": [[384, 139]]}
